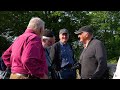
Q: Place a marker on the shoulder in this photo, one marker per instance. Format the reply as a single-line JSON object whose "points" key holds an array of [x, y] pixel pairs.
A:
{"points": [[56, 44], [98, 44], [96, 41], [32, 37]]}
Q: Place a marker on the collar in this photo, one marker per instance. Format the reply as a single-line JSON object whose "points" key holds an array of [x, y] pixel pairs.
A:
{"points": [[29, 31], [62, 43]]}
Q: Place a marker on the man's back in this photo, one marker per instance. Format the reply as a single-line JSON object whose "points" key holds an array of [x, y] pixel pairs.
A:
{"points": [[18, 48], [26, 56], [27, 52]]}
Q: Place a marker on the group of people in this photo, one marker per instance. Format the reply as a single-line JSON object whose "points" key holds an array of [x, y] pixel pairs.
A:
{"points": [[36, 55]]}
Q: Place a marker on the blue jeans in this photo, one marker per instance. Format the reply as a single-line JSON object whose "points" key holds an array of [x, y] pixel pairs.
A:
{"points": [[68, 74]]}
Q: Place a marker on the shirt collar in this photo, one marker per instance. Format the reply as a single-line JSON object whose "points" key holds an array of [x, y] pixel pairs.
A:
{"points": [[62, 44], [29, 31]]}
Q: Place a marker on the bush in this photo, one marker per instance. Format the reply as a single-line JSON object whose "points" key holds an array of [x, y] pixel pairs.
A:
{"points": [[4, 44]]}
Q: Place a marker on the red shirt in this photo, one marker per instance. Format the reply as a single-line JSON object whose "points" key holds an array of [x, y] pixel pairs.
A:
{"points": [[26, 55]]}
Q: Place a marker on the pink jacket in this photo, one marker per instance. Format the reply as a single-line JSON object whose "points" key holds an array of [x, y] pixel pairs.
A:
{"points": [[26, 55]]}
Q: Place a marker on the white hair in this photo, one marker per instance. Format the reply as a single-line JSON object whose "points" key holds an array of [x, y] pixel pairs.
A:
{"points": [[36, 23]]}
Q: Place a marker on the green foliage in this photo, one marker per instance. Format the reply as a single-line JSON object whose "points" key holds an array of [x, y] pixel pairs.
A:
{"points": [[77, 48], [106, 25], [112, 61], [4, 44]]}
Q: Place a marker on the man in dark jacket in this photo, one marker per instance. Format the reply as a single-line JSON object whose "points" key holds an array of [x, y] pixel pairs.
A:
{"points": [[62, 57], [93, 57], [48, 39]]}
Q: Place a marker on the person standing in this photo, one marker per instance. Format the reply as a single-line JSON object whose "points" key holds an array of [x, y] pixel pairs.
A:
{"points": [[62, 56], [48, 39], [26, 56], [93, 57]]}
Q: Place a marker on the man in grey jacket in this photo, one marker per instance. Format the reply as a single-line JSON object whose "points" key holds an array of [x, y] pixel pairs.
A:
{"points": [[93, 57]]}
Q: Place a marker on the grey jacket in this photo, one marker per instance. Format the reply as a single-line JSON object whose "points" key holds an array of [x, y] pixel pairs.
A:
{"points": [[93, 60]]}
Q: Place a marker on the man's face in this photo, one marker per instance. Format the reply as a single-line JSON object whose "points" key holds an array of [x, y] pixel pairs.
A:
{"points": [[47, 42], [50, 42], [83, 36], [64, 37]]}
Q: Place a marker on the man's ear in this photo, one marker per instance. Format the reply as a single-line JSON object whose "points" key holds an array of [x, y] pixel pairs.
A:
{"points": [[87, 34], [59, 35], [41, 31]]}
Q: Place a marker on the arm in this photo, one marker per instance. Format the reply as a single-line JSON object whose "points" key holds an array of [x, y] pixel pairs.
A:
{"points": [[34, 60], [54, 64], [6, 56], [52, 54], [101, 58]]}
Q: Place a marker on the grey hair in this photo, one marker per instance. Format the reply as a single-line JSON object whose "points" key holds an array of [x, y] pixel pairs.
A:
{"points": [[36, 23]]}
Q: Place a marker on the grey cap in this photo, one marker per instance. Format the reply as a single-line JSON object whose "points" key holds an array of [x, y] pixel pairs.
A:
{"points": [[63, 31], [84, 29]]}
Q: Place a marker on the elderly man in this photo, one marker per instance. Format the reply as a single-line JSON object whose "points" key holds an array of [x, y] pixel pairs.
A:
{"points": [[93, 57], [62, 56], [48, 39], [26, 56]]}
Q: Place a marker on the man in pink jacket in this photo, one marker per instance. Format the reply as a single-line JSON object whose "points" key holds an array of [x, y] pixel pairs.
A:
{"points": [[26, 56]]}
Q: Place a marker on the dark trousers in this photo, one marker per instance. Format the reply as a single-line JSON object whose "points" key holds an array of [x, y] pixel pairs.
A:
{"points": [[68, 74]]}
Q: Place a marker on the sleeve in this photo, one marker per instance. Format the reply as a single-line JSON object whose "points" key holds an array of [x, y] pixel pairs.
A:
{"points": [[6, 56], [55, 58], [101, 58], [52, 54], [34, 60]]}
